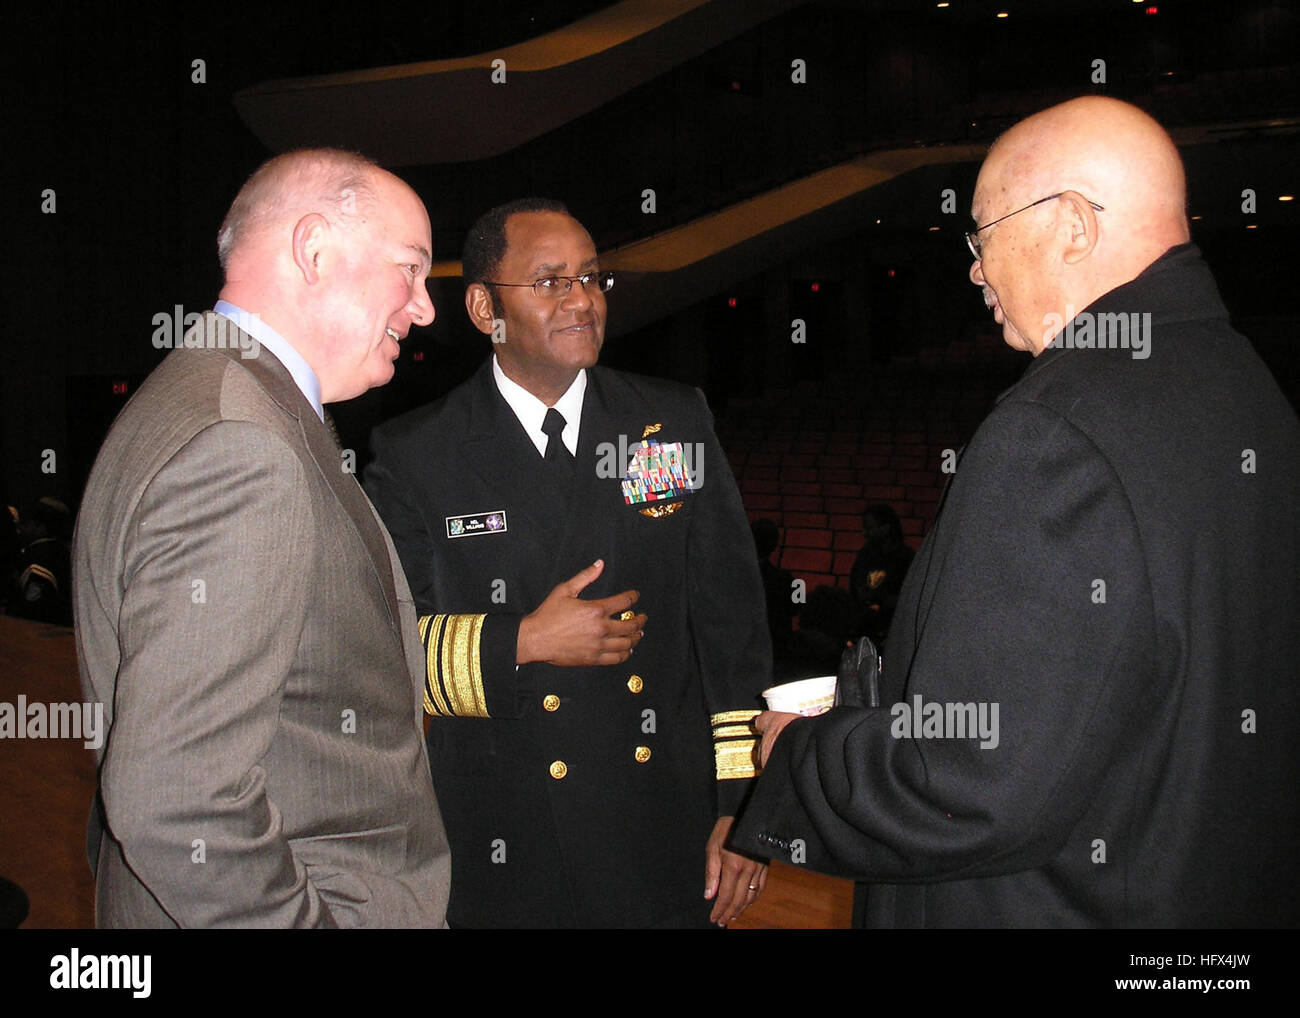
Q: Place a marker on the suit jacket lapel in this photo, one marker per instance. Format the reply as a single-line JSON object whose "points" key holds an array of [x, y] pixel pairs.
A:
{"points": [[362, 514], [280, 386]]}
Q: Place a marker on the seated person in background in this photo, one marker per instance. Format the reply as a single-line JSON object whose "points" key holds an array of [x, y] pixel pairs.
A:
{"points": [[778, 586], [43, 574], [827, 624], [878, 571]]}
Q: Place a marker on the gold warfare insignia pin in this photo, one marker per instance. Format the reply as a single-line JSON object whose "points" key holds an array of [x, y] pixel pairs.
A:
{"points": [[658, 512]]}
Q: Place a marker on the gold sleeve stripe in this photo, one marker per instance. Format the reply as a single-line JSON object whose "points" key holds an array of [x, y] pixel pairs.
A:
{"points": [[735, 758], [434, 702], [734, 744], [734, 717], [453, 681], [462, 671]]}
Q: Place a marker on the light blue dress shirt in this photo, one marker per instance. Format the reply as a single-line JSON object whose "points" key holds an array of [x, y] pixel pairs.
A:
{"points": [[304, 377]]}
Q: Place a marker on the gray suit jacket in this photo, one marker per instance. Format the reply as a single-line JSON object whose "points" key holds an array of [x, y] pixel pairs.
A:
{"points": [[243, 617]]}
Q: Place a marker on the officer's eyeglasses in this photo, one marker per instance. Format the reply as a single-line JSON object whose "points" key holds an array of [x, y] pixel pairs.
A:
{"points": [[555, 287]]}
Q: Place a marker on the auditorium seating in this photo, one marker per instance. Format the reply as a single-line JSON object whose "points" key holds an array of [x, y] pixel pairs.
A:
{"points": [[813, 457]]}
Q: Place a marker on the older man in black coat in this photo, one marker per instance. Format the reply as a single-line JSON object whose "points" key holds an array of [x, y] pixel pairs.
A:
{"points": [[1090, 683]]}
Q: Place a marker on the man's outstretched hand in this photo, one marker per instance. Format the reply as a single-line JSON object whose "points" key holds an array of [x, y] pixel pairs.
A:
{"points": [[566, 630]]}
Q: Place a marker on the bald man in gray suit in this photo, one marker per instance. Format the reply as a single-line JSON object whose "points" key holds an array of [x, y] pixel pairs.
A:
{"points": [[240, 610]]}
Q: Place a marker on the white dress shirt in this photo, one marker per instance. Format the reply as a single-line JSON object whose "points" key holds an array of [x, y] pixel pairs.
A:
{"points": [[531, 411]]}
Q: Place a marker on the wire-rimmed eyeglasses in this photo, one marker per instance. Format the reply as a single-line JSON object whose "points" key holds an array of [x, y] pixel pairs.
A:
{"points": [[972, 237], [555, 287]]}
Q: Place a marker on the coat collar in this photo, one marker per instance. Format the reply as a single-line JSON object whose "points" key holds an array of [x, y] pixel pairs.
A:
{"points": [[1176, 287], [275, 380]]}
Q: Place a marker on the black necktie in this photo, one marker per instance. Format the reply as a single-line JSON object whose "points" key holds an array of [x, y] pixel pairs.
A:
{"points": [[556, 451]]}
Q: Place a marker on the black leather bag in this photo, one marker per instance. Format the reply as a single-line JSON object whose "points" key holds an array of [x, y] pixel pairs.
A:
{"points": [[857, 683]]}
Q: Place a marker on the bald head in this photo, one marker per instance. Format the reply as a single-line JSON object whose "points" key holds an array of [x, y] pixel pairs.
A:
{"points": [[287, 187], [1065, 252], [331, 252], [1111, 152]]}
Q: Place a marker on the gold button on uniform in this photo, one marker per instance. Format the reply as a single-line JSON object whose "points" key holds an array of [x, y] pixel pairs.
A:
{"points": [[635, 684], [559, 769], [551, 701], [642, 754]]}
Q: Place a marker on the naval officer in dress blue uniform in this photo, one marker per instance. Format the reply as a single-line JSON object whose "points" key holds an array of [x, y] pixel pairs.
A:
{"points": [[582, 785]]}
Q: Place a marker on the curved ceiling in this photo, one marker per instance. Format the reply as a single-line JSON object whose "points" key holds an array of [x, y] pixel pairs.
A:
{"points": [[459, 111]]}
